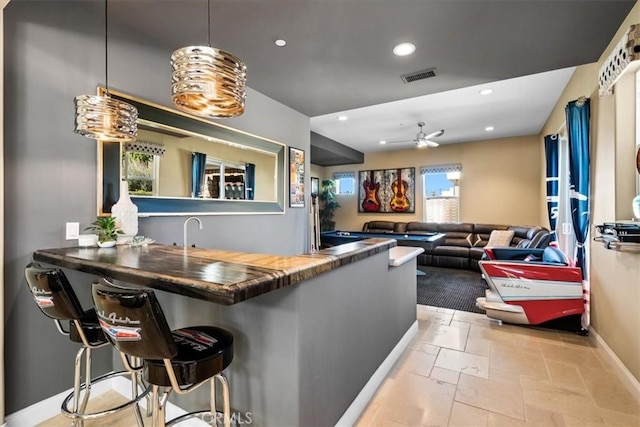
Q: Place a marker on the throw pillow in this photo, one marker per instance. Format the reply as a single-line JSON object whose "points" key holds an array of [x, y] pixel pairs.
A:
{"points": [[500, 238]]}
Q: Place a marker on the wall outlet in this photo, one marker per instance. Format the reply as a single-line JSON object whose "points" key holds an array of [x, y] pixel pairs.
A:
{"points": [[73, 230]]}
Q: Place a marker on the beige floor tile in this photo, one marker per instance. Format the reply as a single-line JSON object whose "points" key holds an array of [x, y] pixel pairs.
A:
{"points": [[465, 363], [497, 333], [465, 416], [418, 345], [438, 318], [581, 356], [478, 346], [461, 325], [465, 316], [564, 374], [615, 418], [366, 417], [608, 391], [445, 375], [498, 375], [416, 362], [445, 310], [495, 396], [543, 417], [416, 400], [445, 336], [518, 360], [566, 400]]}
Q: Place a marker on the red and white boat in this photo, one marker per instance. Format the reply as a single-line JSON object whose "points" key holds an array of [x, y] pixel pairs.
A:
{"points": [[530, 286]]}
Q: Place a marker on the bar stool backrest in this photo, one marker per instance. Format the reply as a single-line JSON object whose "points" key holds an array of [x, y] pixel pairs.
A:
{"points": [[133, 321], [52, 292]]}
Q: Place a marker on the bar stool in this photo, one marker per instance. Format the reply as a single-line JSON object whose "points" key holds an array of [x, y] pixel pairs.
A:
{"points": [[57, 300], [180, 360]]}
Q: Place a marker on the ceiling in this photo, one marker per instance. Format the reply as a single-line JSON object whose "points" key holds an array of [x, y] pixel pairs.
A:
{"points": [[338, 58]]}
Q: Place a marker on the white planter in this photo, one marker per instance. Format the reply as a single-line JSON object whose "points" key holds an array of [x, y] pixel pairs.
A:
{"points": [[126, 213]]}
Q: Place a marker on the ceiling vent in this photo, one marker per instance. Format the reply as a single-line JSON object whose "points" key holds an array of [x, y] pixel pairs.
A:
{"points": [[419, 75]]}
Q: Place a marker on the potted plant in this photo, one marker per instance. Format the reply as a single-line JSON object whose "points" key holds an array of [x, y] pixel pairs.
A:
{"points": [[329, 205], [107, 231]]}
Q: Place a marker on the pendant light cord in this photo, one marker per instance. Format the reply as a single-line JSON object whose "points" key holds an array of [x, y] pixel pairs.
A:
{"points": [[106, 49], [209, 20]]}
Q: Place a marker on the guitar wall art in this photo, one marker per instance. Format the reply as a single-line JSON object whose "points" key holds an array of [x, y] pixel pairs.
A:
{"points": [[387, 191]]}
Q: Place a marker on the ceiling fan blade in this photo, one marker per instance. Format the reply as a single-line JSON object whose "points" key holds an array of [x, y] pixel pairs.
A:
{"points": [[432, 143], [435, 134], [400, 142]]}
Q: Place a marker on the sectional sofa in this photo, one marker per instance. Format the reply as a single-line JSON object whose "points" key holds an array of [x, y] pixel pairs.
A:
{"points": [[465, 242]]}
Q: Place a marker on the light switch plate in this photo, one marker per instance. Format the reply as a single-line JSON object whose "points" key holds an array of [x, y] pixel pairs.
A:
{"points": [[73, 230]]}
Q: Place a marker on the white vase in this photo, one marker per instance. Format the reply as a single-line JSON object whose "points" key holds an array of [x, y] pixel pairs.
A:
{"points": [[126, 213], [636, 207]]}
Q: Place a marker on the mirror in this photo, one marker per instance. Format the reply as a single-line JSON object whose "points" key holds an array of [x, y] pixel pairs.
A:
{"points": [[182, 165]]}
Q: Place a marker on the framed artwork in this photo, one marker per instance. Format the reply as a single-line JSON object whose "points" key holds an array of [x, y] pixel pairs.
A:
{"points": [[387, 190], [315, 186], [296, 178]]}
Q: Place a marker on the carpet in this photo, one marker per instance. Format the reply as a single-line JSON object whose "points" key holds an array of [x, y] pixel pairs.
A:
{"points": [[450, 288]]}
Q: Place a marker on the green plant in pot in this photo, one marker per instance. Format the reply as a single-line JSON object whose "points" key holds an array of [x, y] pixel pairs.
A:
{"points": [[106, 229], [328, 205]]}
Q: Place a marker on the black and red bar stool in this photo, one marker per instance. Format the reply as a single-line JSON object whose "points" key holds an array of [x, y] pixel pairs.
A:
{"points": [[180, 360], [55, 297]]}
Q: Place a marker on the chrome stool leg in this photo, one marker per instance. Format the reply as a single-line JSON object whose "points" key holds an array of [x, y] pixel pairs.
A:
{"points": [[225, 398]]}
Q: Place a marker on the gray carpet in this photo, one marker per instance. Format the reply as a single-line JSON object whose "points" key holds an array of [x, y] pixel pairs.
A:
{"points": [[450, 288]]}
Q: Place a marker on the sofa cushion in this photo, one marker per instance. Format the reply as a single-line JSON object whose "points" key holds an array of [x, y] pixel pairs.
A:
{"points": [[483, 231], [379, 226], [454, 251], [500, 238], [421, 227], [476, 253], [523, 233], [458, 234]]}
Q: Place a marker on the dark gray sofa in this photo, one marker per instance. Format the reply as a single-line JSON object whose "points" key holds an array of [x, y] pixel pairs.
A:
{"points": [[465, 242]]}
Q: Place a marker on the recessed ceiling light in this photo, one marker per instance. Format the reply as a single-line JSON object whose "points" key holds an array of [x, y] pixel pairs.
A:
{"points": [[486, 91], [404, 49], [489, 128], [281, 43], [343, 118], [383, 142]]}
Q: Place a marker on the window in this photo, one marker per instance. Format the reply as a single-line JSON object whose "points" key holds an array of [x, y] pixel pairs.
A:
{"points": [[441, 186], [345, 182], [564, 226], [224, 180], [141, 171]]}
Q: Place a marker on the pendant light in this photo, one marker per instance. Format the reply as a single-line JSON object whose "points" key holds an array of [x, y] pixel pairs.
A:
{"points": [[102, 117], [206, 81]]}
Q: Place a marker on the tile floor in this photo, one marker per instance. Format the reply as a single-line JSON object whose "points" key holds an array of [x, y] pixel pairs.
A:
{"points": [[463, 370]]}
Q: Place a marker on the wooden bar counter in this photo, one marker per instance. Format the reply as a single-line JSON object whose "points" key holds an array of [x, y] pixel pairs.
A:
{"points": [[314, 334], [219, 276]]}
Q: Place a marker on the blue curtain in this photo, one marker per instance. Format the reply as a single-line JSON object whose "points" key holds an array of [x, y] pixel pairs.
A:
{"points": [[249, 180], [551, 151], [578, 116], [198, 164]]}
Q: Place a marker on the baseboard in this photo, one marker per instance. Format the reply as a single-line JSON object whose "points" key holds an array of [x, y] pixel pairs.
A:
{"points": [[622, 372], [361, 401], [49, 408]]}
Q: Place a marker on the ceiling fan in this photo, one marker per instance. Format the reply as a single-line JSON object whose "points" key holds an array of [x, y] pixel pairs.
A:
{"points": [[422, 139]]}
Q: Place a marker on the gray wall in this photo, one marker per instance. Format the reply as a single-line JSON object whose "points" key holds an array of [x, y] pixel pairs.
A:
{"points": [[53, 52]]}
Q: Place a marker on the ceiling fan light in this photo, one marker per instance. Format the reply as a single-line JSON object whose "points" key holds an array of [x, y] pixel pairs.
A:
{"points": [[208, 82], [105, 118]]}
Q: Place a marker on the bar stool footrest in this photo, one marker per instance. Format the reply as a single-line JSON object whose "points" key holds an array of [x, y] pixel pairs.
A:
{"points": [[204, 416], [99, 414]]}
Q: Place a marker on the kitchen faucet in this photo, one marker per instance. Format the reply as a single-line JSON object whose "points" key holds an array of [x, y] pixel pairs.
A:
{"points": [[185, 228]]}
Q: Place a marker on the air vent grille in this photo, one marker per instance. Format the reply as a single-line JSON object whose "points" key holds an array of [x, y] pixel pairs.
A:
{"points": [[419, 75]]}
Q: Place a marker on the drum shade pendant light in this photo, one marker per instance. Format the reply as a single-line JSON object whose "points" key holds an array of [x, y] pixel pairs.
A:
{"points": [[102, 117], [206, 81]]}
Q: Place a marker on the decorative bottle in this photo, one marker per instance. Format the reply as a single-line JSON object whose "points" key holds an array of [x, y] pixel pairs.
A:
{"points": [[126, 214]]}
